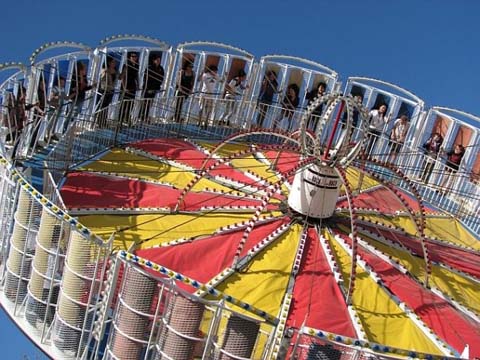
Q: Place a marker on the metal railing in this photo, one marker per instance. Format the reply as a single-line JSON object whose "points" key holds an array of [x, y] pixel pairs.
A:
{"points": [[83, 136]]}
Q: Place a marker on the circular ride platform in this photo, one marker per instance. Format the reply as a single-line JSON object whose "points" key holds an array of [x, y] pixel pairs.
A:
{"points": [[163, 237]]}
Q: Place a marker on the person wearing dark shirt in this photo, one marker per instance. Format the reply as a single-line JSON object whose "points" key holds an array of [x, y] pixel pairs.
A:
{"points": [[129, 78], [311, 96], [154, 76], [289, 104], [185, 82], [357, 98], [265, 98], [79, 87], [431, 149], [153, 82]]}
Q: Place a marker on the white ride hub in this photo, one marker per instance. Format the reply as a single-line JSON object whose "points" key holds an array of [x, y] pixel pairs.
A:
{"points": [[315, 191]]}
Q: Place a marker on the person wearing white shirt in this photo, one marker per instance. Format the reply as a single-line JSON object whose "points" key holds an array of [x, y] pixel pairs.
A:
{"points": [[234, 92], [397, 136], [210, 81], [378, 120]]}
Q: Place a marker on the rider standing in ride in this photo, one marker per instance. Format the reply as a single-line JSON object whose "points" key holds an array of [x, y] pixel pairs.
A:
{"points": [[209, 80], [234, 92]]}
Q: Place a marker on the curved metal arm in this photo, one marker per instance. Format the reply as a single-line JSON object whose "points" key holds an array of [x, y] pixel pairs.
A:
{"points": [[186, 45], [322, 67], [418, 223], [442, 110], [56, 45], [393, 86], [12, 65], [133, 37]]}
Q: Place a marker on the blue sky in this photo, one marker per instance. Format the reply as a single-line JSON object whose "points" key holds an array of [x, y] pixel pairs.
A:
{"points": [[429, 47]]}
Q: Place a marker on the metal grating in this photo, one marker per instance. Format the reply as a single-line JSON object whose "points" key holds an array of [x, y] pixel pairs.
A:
{"points": [[181, 330], [47, 269], [133, 315], [79, 295], [22, 248], [239, 338]]}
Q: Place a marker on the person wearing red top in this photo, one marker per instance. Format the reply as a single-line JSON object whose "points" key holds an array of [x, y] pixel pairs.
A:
{"points": [[454, 158]]}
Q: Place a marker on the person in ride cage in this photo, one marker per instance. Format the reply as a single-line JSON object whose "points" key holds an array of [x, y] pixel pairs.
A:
{"points": [[108, 78], [56, 103], [431, 150], [129, 78], [79, 87], [185, 82], [16, 118], [454, 158], [378, 120], [289, 104], [36, 119], [311, 96], [233, 92], [397, 136], [57, 95], [357, 98], [153, 82], [11, 120], [265, 98], [30, 114], [210, 81]]}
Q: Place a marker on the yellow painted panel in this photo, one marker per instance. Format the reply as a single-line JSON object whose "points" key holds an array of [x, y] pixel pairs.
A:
{"points": [[263, 283], [354, 177], [226, 150], [382, 319], [159, 228], [451, 230]]}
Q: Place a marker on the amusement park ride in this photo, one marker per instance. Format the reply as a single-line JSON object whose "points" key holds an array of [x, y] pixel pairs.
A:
{"points": [[190, 221]]}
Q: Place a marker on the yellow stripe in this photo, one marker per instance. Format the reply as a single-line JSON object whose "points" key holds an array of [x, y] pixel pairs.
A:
{"points": [[382, 319], [164, 228], [353, 177], [263, 283]]}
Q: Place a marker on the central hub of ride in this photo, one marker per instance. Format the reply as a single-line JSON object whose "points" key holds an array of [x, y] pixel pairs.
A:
{"points": [[315, 191], [335, 141]]}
